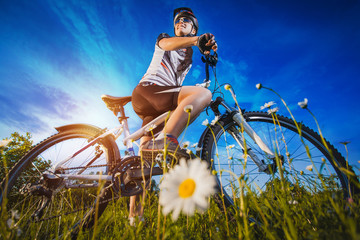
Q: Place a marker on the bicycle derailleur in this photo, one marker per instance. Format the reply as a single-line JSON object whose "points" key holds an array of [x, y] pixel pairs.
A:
{"points": [[43, 188]]}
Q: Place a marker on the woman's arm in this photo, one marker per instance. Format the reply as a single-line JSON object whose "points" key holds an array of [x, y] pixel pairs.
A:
{"points": [[175, 43]]}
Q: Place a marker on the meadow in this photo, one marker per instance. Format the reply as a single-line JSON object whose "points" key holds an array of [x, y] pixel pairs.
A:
{"points": [[282, 210]]}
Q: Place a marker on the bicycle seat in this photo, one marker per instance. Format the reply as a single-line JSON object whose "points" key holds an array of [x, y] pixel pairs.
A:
{"points": [[112, 102]]}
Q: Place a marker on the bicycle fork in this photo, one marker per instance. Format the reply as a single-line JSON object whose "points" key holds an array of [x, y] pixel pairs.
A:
{"points": [[245, 127]]}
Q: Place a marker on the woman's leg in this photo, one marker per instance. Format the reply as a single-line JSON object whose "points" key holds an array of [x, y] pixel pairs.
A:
{"points": [[198, 97], [135, 207]]}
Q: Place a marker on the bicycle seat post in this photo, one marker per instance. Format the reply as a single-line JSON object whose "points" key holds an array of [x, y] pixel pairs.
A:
{"points": [[119, 111], [116, 105]]}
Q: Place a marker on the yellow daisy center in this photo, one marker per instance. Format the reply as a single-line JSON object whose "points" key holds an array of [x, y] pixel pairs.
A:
{"points": [[187, 188]]}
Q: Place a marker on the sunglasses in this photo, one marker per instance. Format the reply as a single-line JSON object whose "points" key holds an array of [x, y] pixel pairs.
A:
{"points": [[183, 19]]}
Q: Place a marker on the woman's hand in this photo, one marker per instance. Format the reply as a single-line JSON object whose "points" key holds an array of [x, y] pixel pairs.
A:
{"points": [[206, 42]]}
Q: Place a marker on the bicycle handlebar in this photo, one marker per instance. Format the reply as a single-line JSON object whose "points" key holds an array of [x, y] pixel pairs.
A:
{"points": [[209, 60]]}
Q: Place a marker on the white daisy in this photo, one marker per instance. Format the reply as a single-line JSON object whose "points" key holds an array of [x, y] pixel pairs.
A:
{"points": [[272, 110], [195, 145], [215, 120], [304, 103], [310, 168], [227, 87], [293, 202], [188, 108], [230, 146], [259, 86], [186, 144], [205, 122], [186, 188], [267, 105], [150, 128]]}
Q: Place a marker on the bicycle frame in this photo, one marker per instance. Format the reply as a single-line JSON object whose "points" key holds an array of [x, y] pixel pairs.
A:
{"points": [[128, 140]]}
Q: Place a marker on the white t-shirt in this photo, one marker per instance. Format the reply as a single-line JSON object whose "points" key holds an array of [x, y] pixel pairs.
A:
{"points": [[168, 68]]}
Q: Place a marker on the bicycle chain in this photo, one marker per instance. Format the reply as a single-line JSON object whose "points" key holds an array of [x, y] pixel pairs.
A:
{"points": [[73, 168]]}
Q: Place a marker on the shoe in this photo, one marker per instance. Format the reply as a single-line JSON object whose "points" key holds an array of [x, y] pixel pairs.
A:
{"points": [[132, 221], [169, 146]]}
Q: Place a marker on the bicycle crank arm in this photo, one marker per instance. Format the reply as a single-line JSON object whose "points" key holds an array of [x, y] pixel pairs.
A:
{"points": [[139, 174]]}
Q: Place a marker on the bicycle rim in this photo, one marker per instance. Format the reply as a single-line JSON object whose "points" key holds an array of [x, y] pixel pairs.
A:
{"points": [[307, 164], [47, 209]]}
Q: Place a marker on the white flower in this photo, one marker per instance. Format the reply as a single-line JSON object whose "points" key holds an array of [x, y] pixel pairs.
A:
{"points": [[258, 86], [15, 214], [215, 120], [273, 110], [205, 122], [194, 145], [188, 108], [293, 202], [10, 223], [227, 86], [230, 146], [150, 128], [267, 105], [310, 168], [4, 143], [186, 187], [186, 144], [188, 151], [304, 103]]}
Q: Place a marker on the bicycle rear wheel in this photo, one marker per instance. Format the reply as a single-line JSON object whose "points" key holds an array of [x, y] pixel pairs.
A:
{"points": [[307, 163], [49, 208]]}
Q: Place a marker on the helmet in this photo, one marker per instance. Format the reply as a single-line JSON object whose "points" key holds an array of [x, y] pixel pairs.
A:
{"points": [[188, 13]]}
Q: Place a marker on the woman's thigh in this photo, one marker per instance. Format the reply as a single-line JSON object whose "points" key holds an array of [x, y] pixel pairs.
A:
{"points": [[186, 91]]}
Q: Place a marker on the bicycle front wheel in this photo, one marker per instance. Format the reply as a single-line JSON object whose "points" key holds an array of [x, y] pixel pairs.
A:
{"points": [[307, 164], [47, 208]]}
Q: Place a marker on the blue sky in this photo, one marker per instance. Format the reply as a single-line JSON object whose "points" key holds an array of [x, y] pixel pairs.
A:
{"points": [[58, 57]]}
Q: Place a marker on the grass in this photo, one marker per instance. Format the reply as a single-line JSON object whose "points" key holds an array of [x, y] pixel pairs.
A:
{"points": [[282, 211], [322, 216]]}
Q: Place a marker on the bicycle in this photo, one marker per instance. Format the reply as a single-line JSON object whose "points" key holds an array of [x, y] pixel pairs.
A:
{"points": [[67, 180]]}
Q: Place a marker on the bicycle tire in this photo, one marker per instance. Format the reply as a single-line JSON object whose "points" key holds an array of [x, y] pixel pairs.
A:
{"points": [[69, 210], [220, 157]]}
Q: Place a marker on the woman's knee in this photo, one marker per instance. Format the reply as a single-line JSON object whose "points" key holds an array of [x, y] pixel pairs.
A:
{"points": [[202, 94], [206, 95]]}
